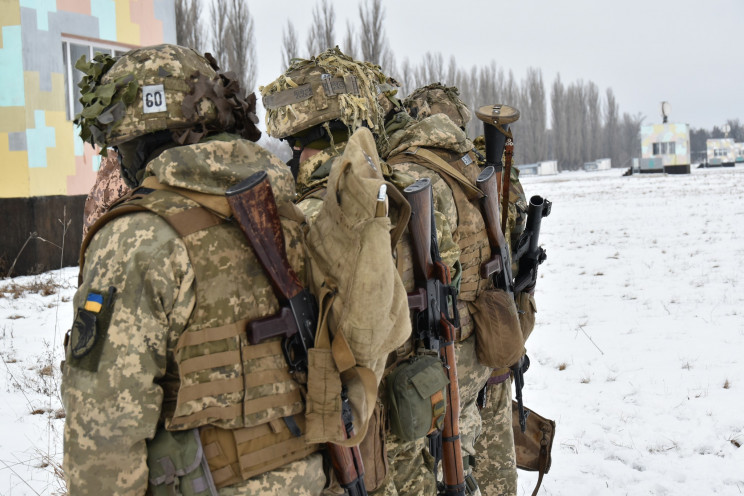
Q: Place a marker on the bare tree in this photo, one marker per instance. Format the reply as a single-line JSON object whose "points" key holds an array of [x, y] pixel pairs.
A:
{"points": [[290, 47], [558, 123], [242, 58], [611, 128], [321, 35], [592, 122], [531, 127], [373, 42], [188, 24], [219, 33], [350, 42]]}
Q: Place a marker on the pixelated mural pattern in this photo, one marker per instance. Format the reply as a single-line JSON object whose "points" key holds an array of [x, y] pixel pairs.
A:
{"points": [[40, 151]]}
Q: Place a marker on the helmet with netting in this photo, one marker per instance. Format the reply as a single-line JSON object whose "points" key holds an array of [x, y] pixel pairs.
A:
{"points": [[156, 88], [438, 99], [330, 87]]}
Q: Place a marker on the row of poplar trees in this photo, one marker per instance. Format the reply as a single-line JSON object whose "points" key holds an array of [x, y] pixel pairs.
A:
{"points": [[585, 123]]}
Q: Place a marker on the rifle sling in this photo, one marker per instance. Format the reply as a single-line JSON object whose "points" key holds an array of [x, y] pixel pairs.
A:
{"points": [[438, 164]]}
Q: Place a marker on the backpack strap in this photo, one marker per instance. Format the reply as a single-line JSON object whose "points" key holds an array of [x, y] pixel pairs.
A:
{"points": [[438, 164]]}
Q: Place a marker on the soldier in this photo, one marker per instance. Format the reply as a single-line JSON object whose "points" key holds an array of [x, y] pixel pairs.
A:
{"points": [[436, 146], [108, 188], [162, 391], [496, 469], [315, 106]]}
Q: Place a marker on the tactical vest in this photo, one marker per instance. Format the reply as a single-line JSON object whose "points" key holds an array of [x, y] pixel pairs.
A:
{"points": [[225, 385], [470, 232]]}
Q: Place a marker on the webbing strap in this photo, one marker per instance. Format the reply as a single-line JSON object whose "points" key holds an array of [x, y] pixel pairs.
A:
{"points": [[212, 388], [211, 361], [278, 450], [193, 220], [210, 334], [212, 413], [216, 203], [273, 401], [263, 377], [438, 164], [262, 350], [331, 87]]}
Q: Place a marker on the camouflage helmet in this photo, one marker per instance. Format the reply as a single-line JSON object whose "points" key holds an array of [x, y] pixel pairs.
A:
{"points": [[330, 86], [438, 99], [156, 88]]}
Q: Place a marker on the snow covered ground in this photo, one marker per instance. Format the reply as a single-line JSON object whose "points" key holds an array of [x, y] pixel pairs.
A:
{"points": [[635, 353]]}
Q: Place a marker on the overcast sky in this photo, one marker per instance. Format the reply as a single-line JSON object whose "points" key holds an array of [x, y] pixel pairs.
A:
{"points": [[687, 52]]}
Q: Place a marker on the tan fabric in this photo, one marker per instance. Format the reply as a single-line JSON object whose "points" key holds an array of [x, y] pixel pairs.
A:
{"points": [[362, 299], [500, 341], [235, 455], [372, 448]]}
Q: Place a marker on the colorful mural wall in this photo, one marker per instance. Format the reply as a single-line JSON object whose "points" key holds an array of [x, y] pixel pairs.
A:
{"points": [[40, 153]]}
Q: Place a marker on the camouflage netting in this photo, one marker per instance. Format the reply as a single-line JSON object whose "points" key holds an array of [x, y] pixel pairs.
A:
{"points": [[328, 86], [438, 99], [194, 98]]}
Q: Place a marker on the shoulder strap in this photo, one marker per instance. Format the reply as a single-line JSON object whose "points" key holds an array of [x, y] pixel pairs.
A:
{"points": [[186, 221], [438, 164]]}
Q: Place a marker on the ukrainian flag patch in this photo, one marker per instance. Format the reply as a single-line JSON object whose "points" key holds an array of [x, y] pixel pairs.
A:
{"points": [[94, 302]]}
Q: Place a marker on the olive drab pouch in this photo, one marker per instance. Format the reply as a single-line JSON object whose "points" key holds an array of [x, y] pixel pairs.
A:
{"points": [[84, 343], [417, 397], [497, 329], [362, 301], [177, 465], [527, 309], [534, 446]]}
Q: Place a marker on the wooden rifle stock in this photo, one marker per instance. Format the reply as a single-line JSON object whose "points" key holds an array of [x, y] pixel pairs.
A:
{"points": [[433, 325], [254, 207], [506, 182], [498, 267]]}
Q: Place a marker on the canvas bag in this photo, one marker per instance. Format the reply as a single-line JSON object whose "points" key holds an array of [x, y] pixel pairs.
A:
{"points": [[534, 446], [362, 302]]}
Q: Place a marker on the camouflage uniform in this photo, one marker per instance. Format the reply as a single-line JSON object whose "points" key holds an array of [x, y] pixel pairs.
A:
{"points": [[340, 108], [109, 187], [496, 468], [441, 133], [141, 293]]}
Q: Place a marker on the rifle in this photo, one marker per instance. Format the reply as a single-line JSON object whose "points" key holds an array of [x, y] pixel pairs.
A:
{"points": [[499, 266], [528, 252], [496, 119], [434, 328], [254, 208]]}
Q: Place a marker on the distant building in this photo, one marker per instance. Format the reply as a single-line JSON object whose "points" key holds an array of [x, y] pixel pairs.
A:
{"points": [[665, 148], [721, 152], [40, 151]]}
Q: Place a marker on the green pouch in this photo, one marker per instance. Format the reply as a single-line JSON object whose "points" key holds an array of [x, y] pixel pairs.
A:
{"points": [[178, 466], [417, 397], [89, 330]]}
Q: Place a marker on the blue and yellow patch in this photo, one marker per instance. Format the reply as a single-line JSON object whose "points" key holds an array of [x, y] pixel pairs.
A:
{"points": [[94, 302]]}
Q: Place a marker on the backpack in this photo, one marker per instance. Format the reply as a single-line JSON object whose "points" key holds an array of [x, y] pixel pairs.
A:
{"points": [[362, 302]]}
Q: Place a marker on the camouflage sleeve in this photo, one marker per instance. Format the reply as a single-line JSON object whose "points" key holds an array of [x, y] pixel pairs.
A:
{"points": [[139, 285]]}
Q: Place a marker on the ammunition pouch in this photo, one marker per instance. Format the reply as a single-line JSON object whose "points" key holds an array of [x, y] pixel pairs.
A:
{"points": [[417, 397], [177, 465], [497, 329]]}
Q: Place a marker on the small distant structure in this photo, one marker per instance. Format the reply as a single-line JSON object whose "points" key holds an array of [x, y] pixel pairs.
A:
{"points": [[738, 152], [665, 147], [598, 165], [721, 152], [544, 168]]}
